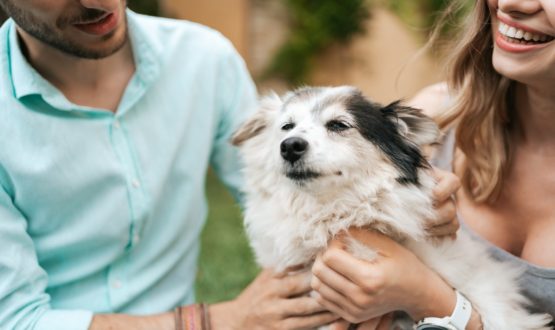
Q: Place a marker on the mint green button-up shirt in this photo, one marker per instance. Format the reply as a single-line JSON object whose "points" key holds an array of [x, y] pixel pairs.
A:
{"points": [[101, 211]]}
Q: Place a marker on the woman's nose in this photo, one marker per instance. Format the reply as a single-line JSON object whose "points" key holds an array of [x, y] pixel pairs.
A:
{"points": [[519, 7]]}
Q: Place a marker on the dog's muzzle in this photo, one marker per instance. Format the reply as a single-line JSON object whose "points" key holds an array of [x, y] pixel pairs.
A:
{"points": [[293, 148]]}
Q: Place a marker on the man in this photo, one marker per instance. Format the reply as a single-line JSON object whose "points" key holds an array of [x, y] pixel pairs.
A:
{"points": [[108, 122]]}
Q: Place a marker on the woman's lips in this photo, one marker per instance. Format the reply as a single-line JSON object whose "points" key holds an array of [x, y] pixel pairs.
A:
{"points": [[516, 38], [516, 46], [504, 43], [101, 27], [517, 25]]}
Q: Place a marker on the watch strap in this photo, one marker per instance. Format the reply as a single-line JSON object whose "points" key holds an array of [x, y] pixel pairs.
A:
{"points": [[457, 321], [435, 323], [461, 314]]}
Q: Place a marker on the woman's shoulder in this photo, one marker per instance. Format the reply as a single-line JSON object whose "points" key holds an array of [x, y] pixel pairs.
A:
{"points": [[431, 100]]}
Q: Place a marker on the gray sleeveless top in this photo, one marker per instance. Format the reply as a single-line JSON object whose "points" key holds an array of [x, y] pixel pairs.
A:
{"points": [[537, 283]]}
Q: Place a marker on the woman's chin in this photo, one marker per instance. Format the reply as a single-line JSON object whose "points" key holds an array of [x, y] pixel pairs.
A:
{"points": [[526, 72]]}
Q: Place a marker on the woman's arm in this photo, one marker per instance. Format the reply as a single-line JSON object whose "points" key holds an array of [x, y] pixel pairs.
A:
{"points": [[359, 290], [349, 286]]}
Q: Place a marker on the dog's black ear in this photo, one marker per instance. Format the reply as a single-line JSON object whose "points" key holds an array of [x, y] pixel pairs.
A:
{"points": [[269, 105], [414, 124]]}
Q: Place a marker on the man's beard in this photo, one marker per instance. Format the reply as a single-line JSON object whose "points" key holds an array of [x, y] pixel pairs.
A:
{"points": [[54, 38]]}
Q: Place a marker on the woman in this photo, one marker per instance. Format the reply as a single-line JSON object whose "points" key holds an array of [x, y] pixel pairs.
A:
{"points": [[498, 113]]}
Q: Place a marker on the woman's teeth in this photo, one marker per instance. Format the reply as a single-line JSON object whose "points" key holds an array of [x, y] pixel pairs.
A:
{"points": [[514, 34]]}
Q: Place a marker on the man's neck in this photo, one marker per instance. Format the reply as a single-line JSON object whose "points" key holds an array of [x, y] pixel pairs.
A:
{"points": [[81, 80]]}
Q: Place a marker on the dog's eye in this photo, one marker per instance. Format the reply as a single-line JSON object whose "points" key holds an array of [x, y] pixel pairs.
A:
{"points": [[287, 127], [337, 126]]}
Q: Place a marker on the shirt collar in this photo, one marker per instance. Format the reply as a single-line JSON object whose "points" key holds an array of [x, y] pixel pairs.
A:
{"points": [[146, 54], [27, 81]]}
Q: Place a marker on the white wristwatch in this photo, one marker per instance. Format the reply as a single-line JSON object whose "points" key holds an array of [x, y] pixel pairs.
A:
{"points": [[457, 321]]}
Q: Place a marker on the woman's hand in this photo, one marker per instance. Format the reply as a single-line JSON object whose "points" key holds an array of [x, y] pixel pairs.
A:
{"points": [[272, 301], [359, 290], [445, 224]]}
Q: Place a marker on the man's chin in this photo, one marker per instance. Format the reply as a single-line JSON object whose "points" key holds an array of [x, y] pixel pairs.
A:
{"points": [[107, 47]]}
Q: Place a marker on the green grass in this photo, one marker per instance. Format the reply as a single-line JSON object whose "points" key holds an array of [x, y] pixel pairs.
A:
{"points": [[226, 263]]}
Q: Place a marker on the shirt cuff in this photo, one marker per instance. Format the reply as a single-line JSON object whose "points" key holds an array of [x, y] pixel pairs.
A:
{"points": [[64, 320]]}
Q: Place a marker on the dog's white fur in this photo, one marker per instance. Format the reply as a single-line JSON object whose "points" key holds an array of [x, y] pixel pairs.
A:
{"points": [[290, 221]]}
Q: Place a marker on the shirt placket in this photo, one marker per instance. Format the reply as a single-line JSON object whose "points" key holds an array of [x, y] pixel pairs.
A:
{"points": [[123, 148]]}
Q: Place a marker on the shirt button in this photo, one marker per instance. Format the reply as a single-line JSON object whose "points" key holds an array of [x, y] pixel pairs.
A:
{"points": [[135, 183], [116, 124], [116, 284]]}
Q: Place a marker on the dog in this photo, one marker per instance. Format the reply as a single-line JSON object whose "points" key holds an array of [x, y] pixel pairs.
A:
{"points": [[320, 160]]}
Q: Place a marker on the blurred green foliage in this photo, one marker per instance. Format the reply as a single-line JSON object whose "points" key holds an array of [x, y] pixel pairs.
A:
{"points": [[148, 7], [426, 14], [226, 263], [316, 24], [419, 13]]}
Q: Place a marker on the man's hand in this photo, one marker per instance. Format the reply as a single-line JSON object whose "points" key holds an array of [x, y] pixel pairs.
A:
{"points": [[272, 301], [446, 223], [383, 322]]}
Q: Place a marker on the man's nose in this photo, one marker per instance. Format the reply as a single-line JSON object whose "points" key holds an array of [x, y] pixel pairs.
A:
{"points": [[293, 148]]}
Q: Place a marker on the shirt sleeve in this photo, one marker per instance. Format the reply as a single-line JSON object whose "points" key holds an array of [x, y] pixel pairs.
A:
{"points": [[237, 100], [24, 304]]}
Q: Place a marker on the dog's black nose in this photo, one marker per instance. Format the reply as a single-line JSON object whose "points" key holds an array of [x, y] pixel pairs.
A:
{"points": [[293, 148]]}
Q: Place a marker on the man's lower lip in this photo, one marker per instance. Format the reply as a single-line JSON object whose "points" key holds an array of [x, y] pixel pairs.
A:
{"points": [[508, 46], [102, 27]]}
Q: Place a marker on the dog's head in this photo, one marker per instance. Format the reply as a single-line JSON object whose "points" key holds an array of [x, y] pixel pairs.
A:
{"points": [[335, 135]]}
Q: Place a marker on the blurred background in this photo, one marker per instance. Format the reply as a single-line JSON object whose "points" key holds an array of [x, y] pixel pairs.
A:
{"points": [[372, 44]]}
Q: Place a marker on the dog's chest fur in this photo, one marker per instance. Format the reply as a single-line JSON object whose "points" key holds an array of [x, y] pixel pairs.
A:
{"points": [[288, 226]]}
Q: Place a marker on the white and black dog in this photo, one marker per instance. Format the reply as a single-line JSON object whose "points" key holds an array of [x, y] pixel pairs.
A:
{"points": [[321, 160]]}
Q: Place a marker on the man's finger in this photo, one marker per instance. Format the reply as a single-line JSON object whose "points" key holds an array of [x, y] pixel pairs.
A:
{"points": [[294, 285], [309, 322], [303, 306]]}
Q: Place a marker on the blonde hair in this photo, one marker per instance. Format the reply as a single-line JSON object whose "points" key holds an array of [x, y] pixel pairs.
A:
{"points": [[481, 110]]}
